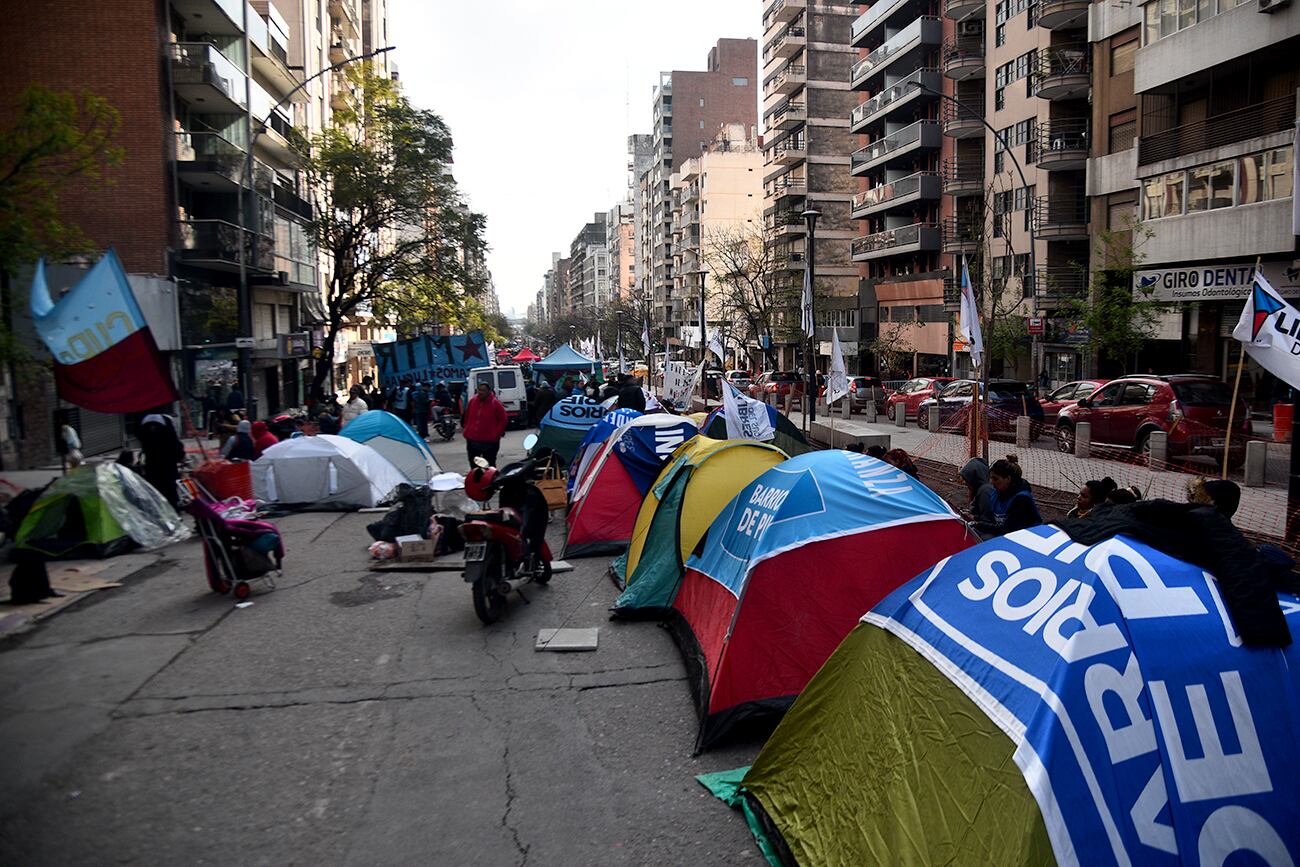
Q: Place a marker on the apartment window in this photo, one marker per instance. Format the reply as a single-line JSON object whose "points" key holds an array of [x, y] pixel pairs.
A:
{"points": [[1122, 57], [739, 82], [1163, 196], [701, 102], [999, 99], [1210, 187], [902, 314], [1000, 35], [1119, 216], [1123, 130], [999, 163]]}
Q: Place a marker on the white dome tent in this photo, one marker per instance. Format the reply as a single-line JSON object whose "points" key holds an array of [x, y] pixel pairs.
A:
{"points": [[324, 470]]}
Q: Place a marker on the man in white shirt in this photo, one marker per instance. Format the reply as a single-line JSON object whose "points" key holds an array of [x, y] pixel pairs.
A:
{"points": [[355, 406]]}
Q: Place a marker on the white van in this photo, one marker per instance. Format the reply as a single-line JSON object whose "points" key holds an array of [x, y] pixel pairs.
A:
{"points": [[508, 383]]}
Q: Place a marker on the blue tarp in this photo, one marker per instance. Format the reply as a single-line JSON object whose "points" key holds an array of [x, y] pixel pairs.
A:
{"points": [[1146, 732], [566, 358], [818, 495]]}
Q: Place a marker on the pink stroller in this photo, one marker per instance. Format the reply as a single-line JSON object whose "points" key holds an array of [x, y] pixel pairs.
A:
{"points": [[236, 551]]}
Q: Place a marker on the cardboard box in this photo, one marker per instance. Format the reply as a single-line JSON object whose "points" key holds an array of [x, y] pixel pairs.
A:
{"points": [[413, 548]]}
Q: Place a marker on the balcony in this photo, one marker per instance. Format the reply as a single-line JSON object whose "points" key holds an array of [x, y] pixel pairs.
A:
{"points": [[782, 223], [787, 81], [909, 43], [920, 136], [918, 187], [964, 121], [960, 10], [963, 177], [788, 152], [1262, 118], [963, 235], [881, 13], [1063, 72], [288, 199], [963, 58], [1057, 285], [1061, 217], [1063, 145], [340, 92], [216, 244], [905, 92], [787, 186], [915, 238], [790, 42], [952, 288], [218, 17], [1062, 14], [206, 80], [788, 116], [345, 13], [338, 46], [782, 11], [208, 162]]}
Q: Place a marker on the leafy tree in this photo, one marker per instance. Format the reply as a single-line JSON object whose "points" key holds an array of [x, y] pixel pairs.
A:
{"points": [[56, 139], [752, 289], [1117, 323], [892, 349], [390, 220]]}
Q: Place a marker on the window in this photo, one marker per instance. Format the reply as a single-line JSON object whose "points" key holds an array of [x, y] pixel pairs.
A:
{"points": [[903, 314], [1000, 35], [1278, 180], [1109, 395], [999, 99], [738, 82], [1210, 187], [1122, 57], [1123, 130], [999, 163], [506, 379], [1137, 394]]}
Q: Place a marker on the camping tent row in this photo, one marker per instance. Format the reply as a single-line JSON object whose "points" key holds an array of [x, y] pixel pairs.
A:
{"points": [[1031, 700]]}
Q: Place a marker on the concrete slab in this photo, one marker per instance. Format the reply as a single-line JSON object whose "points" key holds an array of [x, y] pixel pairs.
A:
{"points": [[567, 640]]}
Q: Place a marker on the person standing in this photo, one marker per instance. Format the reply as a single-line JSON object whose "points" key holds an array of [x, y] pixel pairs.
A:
{"points": [[420, 409], [543, 401], [355, 405], [402, 400], [484, 422], [163, 454]]}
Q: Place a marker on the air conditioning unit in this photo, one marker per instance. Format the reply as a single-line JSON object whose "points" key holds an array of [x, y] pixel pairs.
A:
{"points": [[1271, 6]]}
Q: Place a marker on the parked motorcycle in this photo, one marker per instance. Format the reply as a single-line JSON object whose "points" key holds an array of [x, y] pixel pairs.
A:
{"points": [[445, 427], [505, 548]]}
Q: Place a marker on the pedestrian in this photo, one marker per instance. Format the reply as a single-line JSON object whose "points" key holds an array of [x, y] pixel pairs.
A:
{"points": [[420, 399], [240, 446], [1013, 507], [484, 422], [328, 422], [263, 439], [975, 474], [441, 403], [1093, 494], [235, 400], [163, 453], [401, 404], [901, 459], [530, 402], [545, 399], [373, 397], [355, 406], [1044, 381], [631, 397]]}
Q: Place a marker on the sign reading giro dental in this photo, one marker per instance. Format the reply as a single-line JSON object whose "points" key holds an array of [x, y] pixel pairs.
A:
{"points": [[1213, 282], [1145, 731]]}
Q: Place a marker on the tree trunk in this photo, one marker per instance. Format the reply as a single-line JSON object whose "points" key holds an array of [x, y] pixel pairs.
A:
{"points": [[325, 364]]}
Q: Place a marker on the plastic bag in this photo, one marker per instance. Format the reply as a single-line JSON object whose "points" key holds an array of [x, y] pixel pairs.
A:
{"points": [[383, 550]]}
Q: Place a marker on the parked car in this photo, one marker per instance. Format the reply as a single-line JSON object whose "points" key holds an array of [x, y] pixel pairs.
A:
{"points": [[910, 394], [1068, 395], [777, 383], [863, 390], [1191, 408], [1005, 400], [734, 375]]}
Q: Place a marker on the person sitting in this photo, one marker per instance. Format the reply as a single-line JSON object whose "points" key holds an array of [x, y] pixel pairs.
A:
{"points": [[855, 447], [877, 452], [240, 446], [328, 422], [1091, 495], [1124, 496], [901, 459], [975, 474], [263, 439], [1013, 506]]}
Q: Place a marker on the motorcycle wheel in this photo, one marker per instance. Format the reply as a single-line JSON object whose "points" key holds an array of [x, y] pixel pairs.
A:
{"points": [[489, 604], [542, 575]]}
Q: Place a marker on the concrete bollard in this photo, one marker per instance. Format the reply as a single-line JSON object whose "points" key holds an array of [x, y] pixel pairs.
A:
{"points": [[1082, 439], [1022, 432], [1158, 443], [1256, 463], [933, 418], [900, 419], [869, 413]]}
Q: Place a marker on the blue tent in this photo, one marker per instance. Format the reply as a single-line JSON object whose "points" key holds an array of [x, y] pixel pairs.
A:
{"points": [[566, 358], [596, 434], [564, 426], [395, 440]]}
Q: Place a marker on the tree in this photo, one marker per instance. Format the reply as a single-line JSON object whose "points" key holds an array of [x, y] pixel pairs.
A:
{"points": [[752, 290], [389, 218], [1117, 324], [57, 138], [892, 349]]}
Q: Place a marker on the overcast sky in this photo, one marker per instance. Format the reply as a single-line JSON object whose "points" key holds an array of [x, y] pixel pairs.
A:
{"points": [[541, 96]]}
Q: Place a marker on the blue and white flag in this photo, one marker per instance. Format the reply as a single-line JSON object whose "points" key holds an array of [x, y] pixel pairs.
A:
{"points": [[1269, 328], [968, 325], [1144, 729]]}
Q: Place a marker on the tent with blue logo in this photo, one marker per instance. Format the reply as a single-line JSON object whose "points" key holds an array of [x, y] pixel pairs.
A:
{"points": [[1032, 700], [787, 437], [597, 434], [787, 569], [395, 440], [608, 494], [566, 423]]}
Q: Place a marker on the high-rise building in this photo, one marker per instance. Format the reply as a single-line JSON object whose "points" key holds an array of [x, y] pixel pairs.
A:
{"points": [[806, 104], [588, 282], [621, 238], [640, 156], [689, 109]]}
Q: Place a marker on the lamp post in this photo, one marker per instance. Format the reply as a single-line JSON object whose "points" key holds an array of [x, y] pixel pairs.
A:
{"points": [[618, 338], [810, 358]]}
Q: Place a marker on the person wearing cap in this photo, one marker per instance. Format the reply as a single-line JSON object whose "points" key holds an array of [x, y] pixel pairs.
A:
{"points": [[240, 447]]}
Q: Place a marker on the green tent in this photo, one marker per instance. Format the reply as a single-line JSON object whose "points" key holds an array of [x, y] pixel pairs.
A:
{"points": [[861, 771], [97, 511], [788, 439]]}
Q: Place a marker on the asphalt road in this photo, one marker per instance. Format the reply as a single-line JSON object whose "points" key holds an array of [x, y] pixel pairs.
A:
{"points": [[352, 717]]}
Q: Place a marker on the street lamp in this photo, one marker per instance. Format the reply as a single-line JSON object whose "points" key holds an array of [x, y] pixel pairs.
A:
{"points": [[810, 265]]}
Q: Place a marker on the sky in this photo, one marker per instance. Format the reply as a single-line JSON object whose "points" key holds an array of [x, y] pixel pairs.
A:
{"points": [[540, 96]]}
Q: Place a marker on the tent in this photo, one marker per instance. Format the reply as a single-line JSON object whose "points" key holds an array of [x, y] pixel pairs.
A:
{"points": [[526, 356], [699, 481], [566, 358], [608, 494], [1031, 700], [325, 470], [598, 433], [789, 438], [788, 567], [395, 440], [566, 423], [97, 511]]}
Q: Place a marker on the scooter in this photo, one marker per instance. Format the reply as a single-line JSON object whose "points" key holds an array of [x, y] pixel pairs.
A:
{"points": [[505, 548]]}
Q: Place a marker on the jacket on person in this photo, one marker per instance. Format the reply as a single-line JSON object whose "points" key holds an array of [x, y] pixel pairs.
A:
{"points": [[240, 446], [545, 399], [1205, 537], [976, 475], [1014, 510], [485, 420], [263, 439], [352, 409]]}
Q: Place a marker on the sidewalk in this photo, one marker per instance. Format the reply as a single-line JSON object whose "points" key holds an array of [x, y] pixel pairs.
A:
{"points": [[76, 580]]}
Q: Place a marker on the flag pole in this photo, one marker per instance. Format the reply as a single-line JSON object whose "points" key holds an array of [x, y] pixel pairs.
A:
{"points": [[1236, 387]]}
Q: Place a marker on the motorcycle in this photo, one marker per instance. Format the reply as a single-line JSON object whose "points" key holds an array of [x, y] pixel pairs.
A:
{"points": [[445, 427], [505, 548]]}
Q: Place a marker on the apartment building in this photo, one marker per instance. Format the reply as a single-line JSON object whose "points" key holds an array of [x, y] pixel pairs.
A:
{"points": [[1195, 110], [716, 197], [621, 238], [689, 108], [640, 156], [588, 269], [913, 178], [806, 105]]}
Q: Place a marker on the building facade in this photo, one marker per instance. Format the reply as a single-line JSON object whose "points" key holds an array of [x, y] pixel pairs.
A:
{"points": [[621, 233], [588, 269]]}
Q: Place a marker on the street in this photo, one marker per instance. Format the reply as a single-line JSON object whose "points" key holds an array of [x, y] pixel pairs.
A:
{"points": [[352, 717]]}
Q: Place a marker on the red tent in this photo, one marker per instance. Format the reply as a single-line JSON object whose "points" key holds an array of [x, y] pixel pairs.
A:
{"points": [[526, 355]]}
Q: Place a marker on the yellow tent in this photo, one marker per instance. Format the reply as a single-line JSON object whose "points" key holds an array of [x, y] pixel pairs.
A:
{"points": [[700, 479]]}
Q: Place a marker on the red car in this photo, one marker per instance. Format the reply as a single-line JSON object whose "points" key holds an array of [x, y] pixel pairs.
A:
{"points": [[911, 393], [1191, 408], [777, 383], [1068, 395]]}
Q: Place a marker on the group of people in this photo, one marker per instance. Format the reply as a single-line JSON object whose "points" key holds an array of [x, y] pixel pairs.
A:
{"points": [[417, 404]]}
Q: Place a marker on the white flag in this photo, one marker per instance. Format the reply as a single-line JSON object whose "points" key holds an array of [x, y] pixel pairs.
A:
{"points": [[969, 324], [837, 379], [679, 382], [746, 418], [598, 354], [645, 337], [806, 306], [715, 346], [492, 351], [1270, 329]]}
